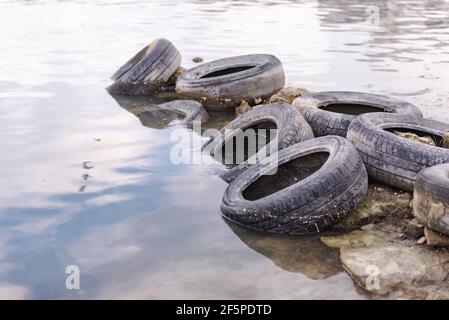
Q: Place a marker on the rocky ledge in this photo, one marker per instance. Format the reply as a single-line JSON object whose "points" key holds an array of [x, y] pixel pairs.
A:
{"points": [[387, 252]]}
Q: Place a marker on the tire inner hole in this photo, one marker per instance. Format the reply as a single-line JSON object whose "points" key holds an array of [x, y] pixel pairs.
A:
{"points": [[226, 71], [419, 136], [354, 109], [287, 174], [247, 142]]}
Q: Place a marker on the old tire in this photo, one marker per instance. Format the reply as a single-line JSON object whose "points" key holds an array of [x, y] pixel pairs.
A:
{"points": [[160, 116], [189, 109], [328, 112], [148, 71], [224, 83], [391, 159], [291, 128], [307, 206], [431, 198]]}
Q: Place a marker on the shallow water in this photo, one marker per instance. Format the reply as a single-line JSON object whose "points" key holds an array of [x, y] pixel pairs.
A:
{"points": [[135, 224]]}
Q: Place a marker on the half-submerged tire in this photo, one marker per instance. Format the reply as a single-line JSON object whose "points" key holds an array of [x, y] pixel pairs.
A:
{"points": [[392, 159], [288, 122], [159, 116], [224, 83], [331, 113], [148, 71], [189, 109], [308, 205], [431, 198]]}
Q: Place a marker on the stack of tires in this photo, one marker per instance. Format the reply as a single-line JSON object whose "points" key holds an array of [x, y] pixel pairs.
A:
{"points": [[354, 133]]}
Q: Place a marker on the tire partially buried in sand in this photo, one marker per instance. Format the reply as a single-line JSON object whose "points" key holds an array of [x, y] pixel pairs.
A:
{"points": [[431, 198], [148, 71], [331, 113], [224, 83], [285, 119], [325, 179], [392, 159]]}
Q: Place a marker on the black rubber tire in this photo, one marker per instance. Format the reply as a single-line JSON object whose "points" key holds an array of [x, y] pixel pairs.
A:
{"points": [[148, 71], [431, 198], [308, 206], [326, 123], [191, 110], [264, 77], [391, 159], [290, 124]]}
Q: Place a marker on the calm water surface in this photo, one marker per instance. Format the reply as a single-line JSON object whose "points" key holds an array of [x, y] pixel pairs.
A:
{"points": [[135, 224]]}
